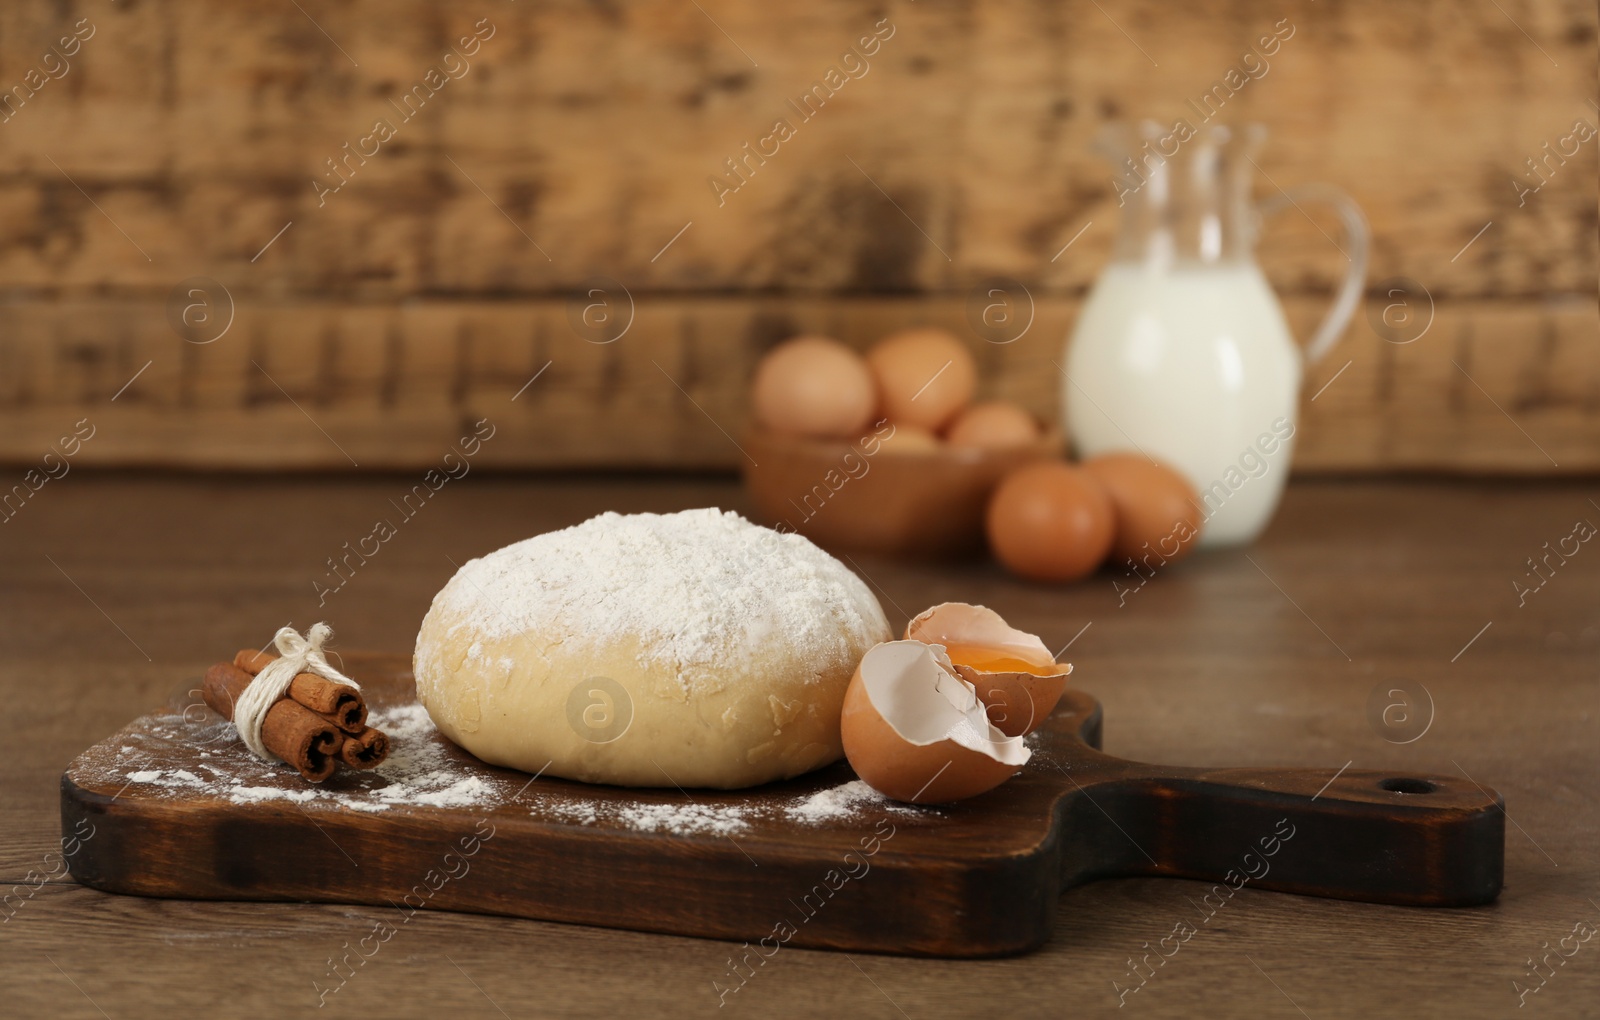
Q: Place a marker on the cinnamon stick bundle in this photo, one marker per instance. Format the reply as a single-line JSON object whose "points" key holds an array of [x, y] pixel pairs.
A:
{"points": [[361, 746], [290, 730], [342, 704]]}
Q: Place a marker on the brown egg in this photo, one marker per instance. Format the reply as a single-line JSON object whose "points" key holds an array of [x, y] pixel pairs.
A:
{"points": [[907, 439], [994, 425], [1050, 522], [915, 731], [1157, 510], [926, 376], [813, 386]]}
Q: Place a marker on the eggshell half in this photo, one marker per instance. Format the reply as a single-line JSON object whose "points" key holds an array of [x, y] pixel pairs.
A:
{"points": [[1017, 702], [916, 732]]}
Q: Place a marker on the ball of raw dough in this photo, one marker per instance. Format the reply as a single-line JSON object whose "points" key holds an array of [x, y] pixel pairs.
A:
{"points": [[688, 649]]}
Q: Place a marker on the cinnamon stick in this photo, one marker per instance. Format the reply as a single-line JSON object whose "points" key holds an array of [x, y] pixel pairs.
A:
{"points": [[365, 750], [290, 730], [342, 704]]}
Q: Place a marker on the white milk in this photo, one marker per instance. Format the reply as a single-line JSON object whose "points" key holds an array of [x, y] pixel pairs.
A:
{"points": [[1195, 365]]}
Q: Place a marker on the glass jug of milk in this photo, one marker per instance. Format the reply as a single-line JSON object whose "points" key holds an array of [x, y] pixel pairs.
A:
{"points": [[1181, 350]]}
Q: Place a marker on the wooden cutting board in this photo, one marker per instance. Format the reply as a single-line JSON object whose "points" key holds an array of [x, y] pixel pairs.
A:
{"points": [[174, 806]]}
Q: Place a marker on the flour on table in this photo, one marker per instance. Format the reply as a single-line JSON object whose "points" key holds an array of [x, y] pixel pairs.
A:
{"points": [[421, 771], [846, 805], [681, 818], [843, 801], [256, 794]]}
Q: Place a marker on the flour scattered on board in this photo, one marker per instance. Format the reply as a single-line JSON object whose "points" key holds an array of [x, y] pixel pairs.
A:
{"points": [[846, 805], [423, 771], [419, 769], [249, 794], [721, 820], [685, 818], [847, 800]]}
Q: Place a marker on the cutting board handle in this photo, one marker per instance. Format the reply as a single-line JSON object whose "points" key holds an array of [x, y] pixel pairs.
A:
{"points": [[1383, 837]]}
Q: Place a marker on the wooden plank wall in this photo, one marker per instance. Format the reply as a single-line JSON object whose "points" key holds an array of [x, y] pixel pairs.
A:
{"points": [[565, 142]]}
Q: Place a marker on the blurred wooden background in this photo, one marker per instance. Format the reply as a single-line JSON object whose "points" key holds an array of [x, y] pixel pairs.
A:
{"points": [[182, 139]]}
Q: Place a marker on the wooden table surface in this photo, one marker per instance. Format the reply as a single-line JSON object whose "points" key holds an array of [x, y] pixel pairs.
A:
{"points": [[118, 590]]}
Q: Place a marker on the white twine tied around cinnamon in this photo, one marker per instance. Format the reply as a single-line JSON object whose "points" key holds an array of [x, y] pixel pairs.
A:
{"points": [[296, 655]]}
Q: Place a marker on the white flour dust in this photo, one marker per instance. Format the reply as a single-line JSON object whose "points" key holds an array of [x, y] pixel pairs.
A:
{"points": [[694, 589], [422, 770]]}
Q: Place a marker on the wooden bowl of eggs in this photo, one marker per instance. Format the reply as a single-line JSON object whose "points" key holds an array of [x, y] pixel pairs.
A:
{"points": [[887, 452]]}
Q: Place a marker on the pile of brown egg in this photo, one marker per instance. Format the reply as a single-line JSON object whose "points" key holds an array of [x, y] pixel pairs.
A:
{"points": [[1049, 520]]}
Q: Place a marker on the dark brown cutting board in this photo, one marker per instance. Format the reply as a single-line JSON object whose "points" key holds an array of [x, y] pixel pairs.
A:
{"points": [[978, 878]]}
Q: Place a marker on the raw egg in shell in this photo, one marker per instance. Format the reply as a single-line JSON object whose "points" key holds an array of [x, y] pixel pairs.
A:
{"points": [[926, 376], [813, 386], [994, 425]]}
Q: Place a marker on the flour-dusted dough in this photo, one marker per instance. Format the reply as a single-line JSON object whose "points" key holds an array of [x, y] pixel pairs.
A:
{"points": [[688, 649]]}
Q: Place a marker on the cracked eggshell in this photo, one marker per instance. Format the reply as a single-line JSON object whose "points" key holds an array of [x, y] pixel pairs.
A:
{"points": [[916, 732], [1018, 701]]}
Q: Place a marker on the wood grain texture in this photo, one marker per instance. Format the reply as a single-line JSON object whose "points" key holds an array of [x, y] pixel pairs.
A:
{"points": [[1209, 663], [332, 386], [184, 140], [973, 879], [199, 129]]}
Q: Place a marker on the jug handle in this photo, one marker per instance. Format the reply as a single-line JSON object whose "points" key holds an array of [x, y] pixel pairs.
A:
{"points": [[1353, 243]]}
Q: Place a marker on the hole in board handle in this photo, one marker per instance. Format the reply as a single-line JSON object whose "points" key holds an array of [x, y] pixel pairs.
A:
{"points": [[1405, 785]]}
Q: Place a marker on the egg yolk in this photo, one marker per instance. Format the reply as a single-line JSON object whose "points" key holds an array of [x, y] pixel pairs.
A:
{"points": [[989, 660]]}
